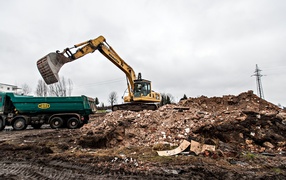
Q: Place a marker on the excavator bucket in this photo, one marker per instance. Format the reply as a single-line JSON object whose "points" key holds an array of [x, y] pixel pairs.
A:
{"points": [[50, 65]]}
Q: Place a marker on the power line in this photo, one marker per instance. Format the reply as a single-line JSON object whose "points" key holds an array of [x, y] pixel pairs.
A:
{"points": [[102, 83], [275, 67], [258, 82]]}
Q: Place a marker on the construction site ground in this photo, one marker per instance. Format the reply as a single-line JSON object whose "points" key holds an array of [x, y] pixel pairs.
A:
{"points": [[248, 133]]}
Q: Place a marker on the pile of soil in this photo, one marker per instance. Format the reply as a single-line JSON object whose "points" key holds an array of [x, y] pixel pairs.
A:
{"points": [[245, 122]]}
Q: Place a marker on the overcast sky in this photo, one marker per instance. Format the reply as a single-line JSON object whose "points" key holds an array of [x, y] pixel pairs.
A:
{"points": [[192, 47]]}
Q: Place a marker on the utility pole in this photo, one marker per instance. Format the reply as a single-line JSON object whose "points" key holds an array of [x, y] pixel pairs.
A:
{"points": [[258, 82]]}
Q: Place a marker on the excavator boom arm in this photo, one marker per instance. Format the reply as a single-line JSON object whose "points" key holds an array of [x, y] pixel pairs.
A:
{"points": [[101, 45], [50, 65]]}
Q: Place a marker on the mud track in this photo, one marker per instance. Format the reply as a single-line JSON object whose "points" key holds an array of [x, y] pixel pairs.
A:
{"points": [[44, 154], [55, 154]]}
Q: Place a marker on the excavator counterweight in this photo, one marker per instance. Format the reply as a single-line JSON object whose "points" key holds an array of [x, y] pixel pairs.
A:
{"points": [[50, 65]]}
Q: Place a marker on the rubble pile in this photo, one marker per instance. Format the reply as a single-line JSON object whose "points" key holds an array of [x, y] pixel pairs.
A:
{"points": [[243, 122]]}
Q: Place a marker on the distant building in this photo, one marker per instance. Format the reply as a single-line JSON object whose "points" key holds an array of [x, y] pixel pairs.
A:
{"points": [[8, 88]]}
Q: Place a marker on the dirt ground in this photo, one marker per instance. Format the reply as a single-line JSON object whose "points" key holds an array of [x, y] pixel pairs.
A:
{"points": [[248, 134]]}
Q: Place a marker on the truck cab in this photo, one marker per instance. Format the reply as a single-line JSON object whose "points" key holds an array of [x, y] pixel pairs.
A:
{"points": [[1, 103], [2, 118]]}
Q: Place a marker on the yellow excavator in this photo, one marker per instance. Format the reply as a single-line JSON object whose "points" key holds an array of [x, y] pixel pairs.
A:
{"points": [[140, 95]]}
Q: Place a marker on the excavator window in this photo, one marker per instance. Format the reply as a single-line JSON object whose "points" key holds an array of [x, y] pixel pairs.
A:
{"points": [[137, 89], [148, 88], [142, 89]]}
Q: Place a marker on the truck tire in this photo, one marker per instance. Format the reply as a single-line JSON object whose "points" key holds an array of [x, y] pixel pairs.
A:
{"points": [[19, 124], [56, 122], [1, 124], [73, 123]]}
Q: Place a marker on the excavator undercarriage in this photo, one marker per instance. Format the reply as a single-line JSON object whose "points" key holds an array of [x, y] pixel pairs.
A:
{"points": [[134, 106]]}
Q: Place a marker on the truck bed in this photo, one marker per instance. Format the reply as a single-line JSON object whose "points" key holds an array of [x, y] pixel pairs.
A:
{"points": [[31, 104]]}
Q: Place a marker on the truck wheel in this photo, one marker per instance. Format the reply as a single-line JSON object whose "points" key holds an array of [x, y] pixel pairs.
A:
{"points": [[56, 122], [73, 123], [1, 124], [36, 126], [19, 124]]}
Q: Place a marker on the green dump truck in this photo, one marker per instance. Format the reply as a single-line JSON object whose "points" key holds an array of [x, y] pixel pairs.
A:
{"points": [[20, 111]]}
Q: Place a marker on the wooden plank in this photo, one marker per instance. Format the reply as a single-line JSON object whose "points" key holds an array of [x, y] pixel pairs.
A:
{"points": [[175, 151]]}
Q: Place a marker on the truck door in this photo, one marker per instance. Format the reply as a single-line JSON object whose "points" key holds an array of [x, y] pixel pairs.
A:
{"points": [[2, 118]]}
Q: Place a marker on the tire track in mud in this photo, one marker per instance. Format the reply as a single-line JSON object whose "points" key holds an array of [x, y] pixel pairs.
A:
{"points": [[35, 171], [21, 171], [59, 170], [9, 134]]}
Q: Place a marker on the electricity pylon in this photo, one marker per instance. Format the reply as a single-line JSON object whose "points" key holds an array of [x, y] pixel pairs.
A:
{"points": [[258, 81]]}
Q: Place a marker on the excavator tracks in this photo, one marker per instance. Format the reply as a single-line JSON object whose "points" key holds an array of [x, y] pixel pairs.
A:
{"points": [[134, 107]]}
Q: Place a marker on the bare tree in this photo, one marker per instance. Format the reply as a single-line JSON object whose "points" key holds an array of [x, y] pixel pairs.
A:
{"points": [[171, 97], [166, 99], [96, 101], [102, 104], [112, 98], [184, 97], [42, 89], [26, 89], [70, 87], [61, 88]]}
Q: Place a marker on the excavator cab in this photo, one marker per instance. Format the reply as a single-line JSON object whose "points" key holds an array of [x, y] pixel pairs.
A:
{"points": [[142, 88]]}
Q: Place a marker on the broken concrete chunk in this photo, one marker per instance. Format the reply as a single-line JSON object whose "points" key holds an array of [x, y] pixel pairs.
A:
{"points": [[198, 148]]}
